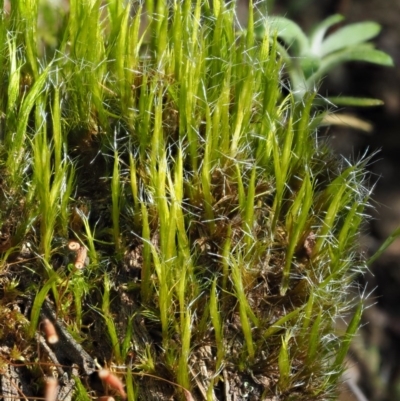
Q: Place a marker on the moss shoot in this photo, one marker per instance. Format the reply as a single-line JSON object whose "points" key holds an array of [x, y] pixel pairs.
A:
{"points": [[221, 236]]}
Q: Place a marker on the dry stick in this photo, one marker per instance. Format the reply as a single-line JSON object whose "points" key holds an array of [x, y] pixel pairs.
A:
{"points": [[51, 338], [16, 397], [50, 354], [69, 347], [19, 391], [19, 365], [188, 394], [114, 382], [24, 260], [50, 386], [41, 343], [109, 378]]}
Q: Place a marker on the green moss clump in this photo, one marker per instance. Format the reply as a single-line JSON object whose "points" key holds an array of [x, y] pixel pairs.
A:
{"points": [[222, 235]]}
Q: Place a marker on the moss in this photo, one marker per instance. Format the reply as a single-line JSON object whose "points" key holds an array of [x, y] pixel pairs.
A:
{"points": [[222, 236]]}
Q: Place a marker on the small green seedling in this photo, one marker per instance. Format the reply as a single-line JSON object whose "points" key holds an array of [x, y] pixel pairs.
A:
{"points": [[308, 59]]}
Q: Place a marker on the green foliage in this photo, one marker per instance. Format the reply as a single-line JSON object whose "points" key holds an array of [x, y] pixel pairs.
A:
{"points": [[170, 148], [308, 59]]}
